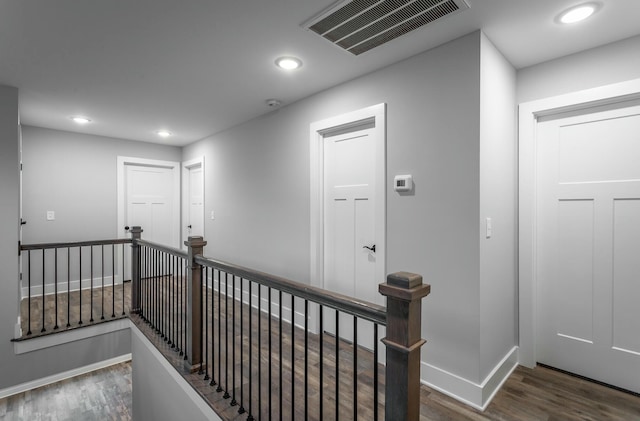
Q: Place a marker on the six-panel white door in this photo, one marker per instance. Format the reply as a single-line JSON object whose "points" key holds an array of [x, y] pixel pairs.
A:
{"points": [[588, 245]]}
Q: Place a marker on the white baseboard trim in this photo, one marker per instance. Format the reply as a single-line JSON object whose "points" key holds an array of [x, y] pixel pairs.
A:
{"points": [[34, 384], [46, 341], [49, 288], [476, 395]]}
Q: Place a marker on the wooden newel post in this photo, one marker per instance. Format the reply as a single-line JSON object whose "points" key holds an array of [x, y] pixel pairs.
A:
{"points": [[194, 304], [404, 292], [135, 269]]}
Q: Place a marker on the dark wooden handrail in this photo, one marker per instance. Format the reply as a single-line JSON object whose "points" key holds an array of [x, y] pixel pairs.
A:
{"points": [[42, 246], [169, 250], [353, 306]]}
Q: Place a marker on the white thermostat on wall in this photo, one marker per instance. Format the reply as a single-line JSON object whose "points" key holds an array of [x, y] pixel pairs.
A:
{"points": [[403, 183]]}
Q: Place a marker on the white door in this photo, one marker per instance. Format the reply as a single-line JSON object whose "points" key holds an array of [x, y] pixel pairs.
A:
{"points": [[349, 224], [193, 198], [149, 202], [588, 245], [148, 196]]}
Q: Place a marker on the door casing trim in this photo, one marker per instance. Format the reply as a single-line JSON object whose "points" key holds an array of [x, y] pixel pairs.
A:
{"points": [[122, 161], [528, 114], [317, 131], [184, 199]]}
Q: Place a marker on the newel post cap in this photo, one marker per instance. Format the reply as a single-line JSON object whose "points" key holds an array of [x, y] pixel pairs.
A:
{"points": [[404, 286], [195, 242]]}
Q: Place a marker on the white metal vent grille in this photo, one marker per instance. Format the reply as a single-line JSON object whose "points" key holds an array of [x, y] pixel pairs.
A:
{"points": [[360, 25]]}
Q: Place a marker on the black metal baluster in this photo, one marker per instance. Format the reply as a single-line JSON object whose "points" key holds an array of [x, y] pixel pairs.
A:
{"points": [[293, 360], [113, 280], [250, 417], [55, 279], [161, 294], [226, 336], [183, 314], [183, 270], [90, 284], [280, 351], [355, 368], [172, 302], [375, 372], [219, 388], [80, 282], [165, 299], [213, 327], [321, 364], [156, 289], [337, 365], [132, 263], [306, 359], [44, 306], [241, 409], [180, 308], [206, 327], [102, 288], [29, 293], [259, 350], [68, 286], [233, 340], [152, 285], [147, 286], [270, 354]]}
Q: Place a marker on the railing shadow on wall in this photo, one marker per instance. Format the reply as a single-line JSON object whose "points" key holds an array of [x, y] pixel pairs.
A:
{"points": [[271, 347]]}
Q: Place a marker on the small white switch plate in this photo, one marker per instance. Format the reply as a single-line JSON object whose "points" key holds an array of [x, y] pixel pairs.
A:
{"points": [[489, 228], [213, 215], [51, 215]]}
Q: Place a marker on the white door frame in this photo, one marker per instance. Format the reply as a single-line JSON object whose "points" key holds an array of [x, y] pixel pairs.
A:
{"points": [[318, 130], [529, 113], [186, 167], [122, 161]]}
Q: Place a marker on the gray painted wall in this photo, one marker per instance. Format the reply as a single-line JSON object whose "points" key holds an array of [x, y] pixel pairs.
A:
{"points": [[498, 201], [159, 392], [75, 175], [17, 369], [257, 182], [83, 196], [611, 63]]}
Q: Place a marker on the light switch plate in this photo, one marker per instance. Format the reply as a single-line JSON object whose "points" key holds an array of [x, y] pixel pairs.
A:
{"points": [[51, 215]]}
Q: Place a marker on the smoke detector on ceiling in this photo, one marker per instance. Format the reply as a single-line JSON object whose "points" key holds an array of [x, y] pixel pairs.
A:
{"points": [[358, 26]]}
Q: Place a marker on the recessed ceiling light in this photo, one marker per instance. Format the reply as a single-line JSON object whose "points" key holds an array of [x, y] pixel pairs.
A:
{"points": [[288, 63], [578, 13], [80, 120], [164, 133]]}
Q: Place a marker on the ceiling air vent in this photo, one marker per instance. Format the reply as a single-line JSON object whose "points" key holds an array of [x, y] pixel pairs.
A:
{"points": [[360, 25]]}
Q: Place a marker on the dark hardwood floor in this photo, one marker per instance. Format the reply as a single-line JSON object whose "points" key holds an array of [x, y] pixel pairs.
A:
{"points": [[539, 394], [98, 305], [100, 395]]}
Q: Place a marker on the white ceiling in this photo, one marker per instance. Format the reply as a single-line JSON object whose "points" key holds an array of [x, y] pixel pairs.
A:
{"points": [[198, 67]]}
